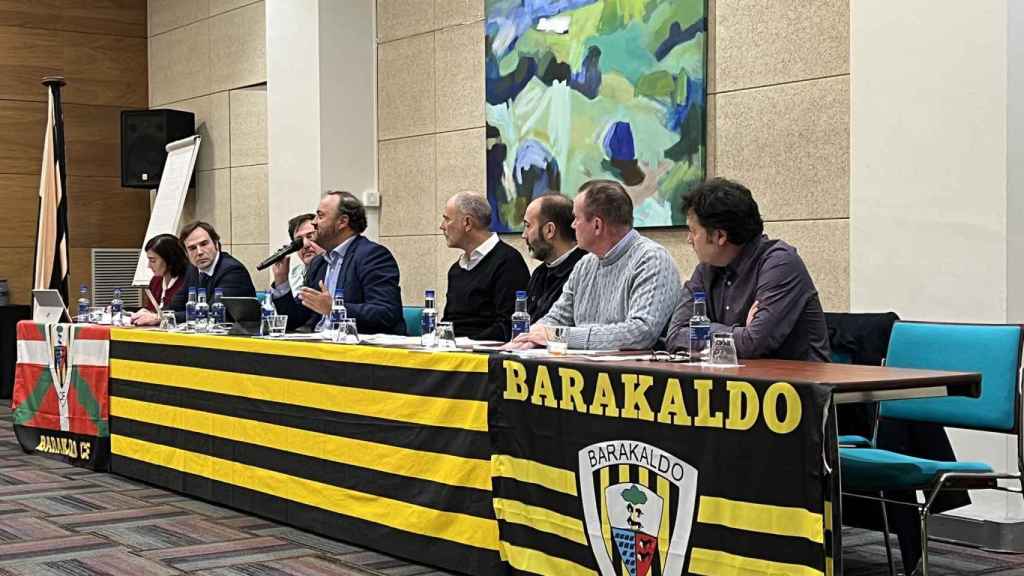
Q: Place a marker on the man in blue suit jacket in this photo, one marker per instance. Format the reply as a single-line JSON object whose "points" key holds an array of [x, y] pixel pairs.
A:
{"points": [[211, 268], [365, 270]]}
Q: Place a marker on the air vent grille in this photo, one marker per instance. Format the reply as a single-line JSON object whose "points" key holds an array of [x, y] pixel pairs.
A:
{"points": [[114, 268]]}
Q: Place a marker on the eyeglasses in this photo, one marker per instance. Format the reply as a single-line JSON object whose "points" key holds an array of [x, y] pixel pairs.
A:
{"points": [[663, 356]]}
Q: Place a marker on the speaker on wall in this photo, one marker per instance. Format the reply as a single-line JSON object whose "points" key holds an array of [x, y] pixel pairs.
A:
{"points": [[144, 136]]}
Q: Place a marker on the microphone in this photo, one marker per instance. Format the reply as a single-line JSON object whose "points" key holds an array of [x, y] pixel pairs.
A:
{"points": [[283, 251]]}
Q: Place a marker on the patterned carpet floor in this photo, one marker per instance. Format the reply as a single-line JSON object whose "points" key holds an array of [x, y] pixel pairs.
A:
{"points": [[58, 520]]}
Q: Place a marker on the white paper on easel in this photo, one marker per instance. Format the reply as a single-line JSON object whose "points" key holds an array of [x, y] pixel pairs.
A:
{"points": [[170, 199]]}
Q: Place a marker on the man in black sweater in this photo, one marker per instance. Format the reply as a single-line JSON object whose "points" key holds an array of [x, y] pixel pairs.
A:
{"points": [[547, 229], [482, 284]]}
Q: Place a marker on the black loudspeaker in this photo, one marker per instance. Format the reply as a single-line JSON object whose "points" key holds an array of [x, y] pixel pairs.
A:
{"points": [[144, 137]]}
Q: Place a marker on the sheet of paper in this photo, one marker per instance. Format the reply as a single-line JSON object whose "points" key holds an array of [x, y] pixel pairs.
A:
{"points": [[165, 217]]}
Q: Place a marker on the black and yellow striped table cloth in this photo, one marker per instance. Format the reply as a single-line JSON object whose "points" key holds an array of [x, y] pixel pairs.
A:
{"points": [[381, 447]]}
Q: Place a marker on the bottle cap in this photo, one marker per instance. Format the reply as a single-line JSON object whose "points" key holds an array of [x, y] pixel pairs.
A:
{"points": [[520, 294], [191, 289], [339, 292], [698, 296], [430, 293], [218, 291]]}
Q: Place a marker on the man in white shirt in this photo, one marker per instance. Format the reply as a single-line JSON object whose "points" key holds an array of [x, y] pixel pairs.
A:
{"points": [[211, 268], [482, 284], [302, 227]]}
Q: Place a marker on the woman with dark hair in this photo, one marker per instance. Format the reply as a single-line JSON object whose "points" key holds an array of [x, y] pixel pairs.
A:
{"points": [[168, 262]]}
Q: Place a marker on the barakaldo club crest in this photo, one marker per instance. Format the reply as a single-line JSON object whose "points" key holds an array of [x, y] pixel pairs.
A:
{"points": [[639, 503]]}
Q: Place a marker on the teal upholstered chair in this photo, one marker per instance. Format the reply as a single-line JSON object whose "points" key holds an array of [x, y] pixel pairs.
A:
{"points": [[413, 320], [992, 350]]}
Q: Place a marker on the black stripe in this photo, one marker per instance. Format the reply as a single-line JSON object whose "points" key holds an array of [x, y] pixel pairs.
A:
{"points": [[440, 553], [454, 441], [757, 545], [425, 493], [535, 495], [550, 544], [416, 381]]}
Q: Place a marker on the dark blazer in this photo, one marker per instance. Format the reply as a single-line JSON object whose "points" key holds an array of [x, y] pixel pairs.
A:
{"points": [[230, 275], [370, 278]]}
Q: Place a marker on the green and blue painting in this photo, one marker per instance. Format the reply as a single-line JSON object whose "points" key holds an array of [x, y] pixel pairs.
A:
{"points": [[586, 89]]}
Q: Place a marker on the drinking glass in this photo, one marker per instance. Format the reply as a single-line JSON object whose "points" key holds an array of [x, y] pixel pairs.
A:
{"points": [[445, 338], [98, 315], [723, 349], [277, 324], [346, 332], [558, 339], [168, 321]]}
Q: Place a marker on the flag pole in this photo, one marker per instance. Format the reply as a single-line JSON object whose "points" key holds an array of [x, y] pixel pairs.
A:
{"points": [[61, 266]]}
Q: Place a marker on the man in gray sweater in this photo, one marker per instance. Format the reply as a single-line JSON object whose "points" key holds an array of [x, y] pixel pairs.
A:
{"points": [[621, 295]]}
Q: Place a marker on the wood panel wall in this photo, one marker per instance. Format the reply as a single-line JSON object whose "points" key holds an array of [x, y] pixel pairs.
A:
{"points": [[99, 46]]}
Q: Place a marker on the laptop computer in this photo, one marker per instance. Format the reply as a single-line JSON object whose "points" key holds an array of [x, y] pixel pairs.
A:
{"points": [[244, 313], [48, 307]]}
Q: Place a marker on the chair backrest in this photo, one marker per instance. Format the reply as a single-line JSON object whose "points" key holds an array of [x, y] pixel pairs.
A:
{"points": [[994, 350], [413, 320]]}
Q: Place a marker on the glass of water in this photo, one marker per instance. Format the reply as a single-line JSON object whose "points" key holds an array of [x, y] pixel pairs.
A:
{"points": [[277, 324], [723, 349], [168, 321], [445, 339], [346, 332], [558, 339]]}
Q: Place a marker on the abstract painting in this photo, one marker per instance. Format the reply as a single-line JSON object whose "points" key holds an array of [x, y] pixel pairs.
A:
{"points": [[585, 89]]}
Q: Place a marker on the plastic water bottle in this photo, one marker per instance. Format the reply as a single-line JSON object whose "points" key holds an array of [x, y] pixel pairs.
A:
{"points": [[700, 328], [428, 322], [190, 310], [266, 311], [202, 312], [520, 318], [217, 308], [83, 303], [338, 311], [116, 308]]}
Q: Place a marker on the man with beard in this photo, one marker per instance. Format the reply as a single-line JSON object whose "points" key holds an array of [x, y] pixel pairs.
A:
{"points": [[547, 229], [363, 269], [300, 226]]}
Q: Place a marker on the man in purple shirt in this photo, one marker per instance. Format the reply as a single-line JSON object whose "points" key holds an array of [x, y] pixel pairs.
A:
{"points": [[757, 289]]}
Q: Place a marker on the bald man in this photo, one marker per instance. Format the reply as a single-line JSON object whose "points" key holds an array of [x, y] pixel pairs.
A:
{"points": [[482, 283], [547, 229]]}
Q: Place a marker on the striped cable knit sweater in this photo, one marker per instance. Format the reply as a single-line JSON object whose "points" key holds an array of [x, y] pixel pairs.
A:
{"points": [[621, 301]]}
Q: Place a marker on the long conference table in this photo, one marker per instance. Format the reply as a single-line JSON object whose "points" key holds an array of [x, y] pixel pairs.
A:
{"points": [[502, 464]]}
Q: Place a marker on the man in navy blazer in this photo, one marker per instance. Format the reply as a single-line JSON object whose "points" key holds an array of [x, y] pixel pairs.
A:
{"points": [[364, 270], [211, 268]]}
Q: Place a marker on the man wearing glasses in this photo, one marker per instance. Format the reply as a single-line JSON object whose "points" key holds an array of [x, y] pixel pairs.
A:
{"points": [[757, 289]]}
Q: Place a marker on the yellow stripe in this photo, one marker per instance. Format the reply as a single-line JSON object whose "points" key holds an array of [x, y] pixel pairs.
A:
{"points": [[828, 515], [452, 526], [377, 355], [540, 519], [536, 562], [665, 491], [778, 520], [448, 412], [522, 470], [606, 527], [715, 563], [443, 468]]}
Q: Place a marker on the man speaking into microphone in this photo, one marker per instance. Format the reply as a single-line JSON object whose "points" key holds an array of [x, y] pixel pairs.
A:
{"points": [[366, 272]]}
